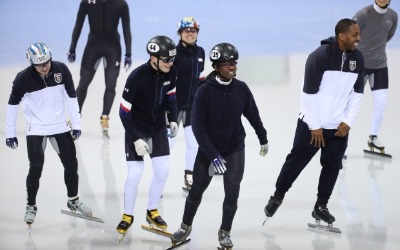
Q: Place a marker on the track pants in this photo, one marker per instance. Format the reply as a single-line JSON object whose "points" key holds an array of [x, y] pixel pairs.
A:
{"points": [[302, 153], [65, 148], [232, 179]]}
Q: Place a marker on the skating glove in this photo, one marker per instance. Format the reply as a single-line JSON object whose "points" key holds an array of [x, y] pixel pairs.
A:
{"points": [[173, 129], [12, 142], [264, 149], [71, 56], [75, 134], [218, 164], [141, 147], [128, 61]]}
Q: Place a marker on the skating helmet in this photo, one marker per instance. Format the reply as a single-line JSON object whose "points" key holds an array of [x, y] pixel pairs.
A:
{"points": [[38, 53], [161, 46], [187, 22], [223, 52]]}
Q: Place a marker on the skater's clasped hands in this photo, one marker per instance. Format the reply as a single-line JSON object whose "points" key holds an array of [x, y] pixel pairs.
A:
{"points": [[317, 138]]}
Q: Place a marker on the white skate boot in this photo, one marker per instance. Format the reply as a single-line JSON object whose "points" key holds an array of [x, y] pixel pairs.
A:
{"points": [[374, 143], [224, 240], [30, 214], [77, 205], [84, 211]]}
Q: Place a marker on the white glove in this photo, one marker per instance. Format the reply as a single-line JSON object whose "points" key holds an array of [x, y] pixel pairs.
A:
{"points": [[264, 149], [141, 147], [173, 129]]}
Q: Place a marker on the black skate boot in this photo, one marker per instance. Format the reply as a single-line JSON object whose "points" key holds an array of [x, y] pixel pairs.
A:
{"points": [[321, 212], [125, 223], [182, 233], [272, 206], [154, 219], [224, 240], [188, 180]]}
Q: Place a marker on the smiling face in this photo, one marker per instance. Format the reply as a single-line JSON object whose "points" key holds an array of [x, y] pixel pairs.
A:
{"points": [[349, 40], [189, 35], [162, 64], [382, 3], [226, 70]]}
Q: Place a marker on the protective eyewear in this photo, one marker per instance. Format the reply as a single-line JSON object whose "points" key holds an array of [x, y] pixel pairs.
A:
{"points": [[228, 64], [190, 30], [46, 64], [167, 60]]}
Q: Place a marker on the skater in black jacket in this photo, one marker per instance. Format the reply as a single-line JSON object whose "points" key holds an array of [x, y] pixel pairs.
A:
{"points": [[218, 106]]}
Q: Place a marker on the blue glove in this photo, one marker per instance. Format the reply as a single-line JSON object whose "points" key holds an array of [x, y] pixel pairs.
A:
{"points": [[12, 142], [71, 56], [217, 165], [75, 134], [128, 61]]}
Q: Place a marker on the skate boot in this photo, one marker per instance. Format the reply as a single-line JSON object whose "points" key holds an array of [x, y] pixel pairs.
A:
{"points": [[374, 143], [30, 214], [182, 233], [272, 206], [154, 219], [125, 223], [188, 180], [104, 125], [76, 205], [224, 240], [321, 212]]}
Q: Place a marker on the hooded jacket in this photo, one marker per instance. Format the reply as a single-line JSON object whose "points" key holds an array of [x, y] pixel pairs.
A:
{"points": [[333, 86]]}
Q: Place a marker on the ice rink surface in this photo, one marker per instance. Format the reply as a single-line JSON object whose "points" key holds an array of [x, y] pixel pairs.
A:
{"points": [[273, 43]]}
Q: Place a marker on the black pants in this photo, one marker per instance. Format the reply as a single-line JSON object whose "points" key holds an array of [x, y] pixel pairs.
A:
{"points": [[65, 148], [95, 50], [302, 153], [232, 179]]}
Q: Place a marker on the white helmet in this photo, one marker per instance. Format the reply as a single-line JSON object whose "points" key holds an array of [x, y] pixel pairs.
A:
{"points": [[38, 53]]}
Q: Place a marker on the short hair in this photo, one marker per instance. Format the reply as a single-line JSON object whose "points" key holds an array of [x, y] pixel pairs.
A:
{"points": [[343, 26]]}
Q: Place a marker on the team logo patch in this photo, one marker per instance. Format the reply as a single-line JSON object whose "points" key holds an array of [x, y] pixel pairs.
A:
{"points": [[57, 77], [352, 65], [172, 52]]}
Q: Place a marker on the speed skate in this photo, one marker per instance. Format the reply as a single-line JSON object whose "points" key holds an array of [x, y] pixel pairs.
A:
{"points": [[87, 217], [328, 228], [155, 230], [373, 143]]}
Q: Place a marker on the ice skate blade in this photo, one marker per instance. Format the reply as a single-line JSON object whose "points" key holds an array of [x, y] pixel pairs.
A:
{"points": [[325, 228], [377, 153], [224, 248], [156, 231], [121, 238], [105, 134], [82, 216], [177, 245]]}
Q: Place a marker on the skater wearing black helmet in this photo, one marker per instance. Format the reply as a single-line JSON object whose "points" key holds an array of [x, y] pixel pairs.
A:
{"points": [[148, 94], [218, 106]]}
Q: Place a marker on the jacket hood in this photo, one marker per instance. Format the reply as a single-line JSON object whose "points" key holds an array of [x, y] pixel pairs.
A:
{"points": [[330, 40]]}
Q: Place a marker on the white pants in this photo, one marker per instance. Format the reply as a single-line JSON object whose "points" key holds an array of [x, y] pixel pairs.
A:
{"points": [[191, 147], [135, 172]]}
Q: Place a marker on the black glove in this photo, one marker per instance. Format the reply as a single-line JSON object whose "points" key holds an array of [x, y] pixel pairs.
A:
{"points": [[12, 142], [71, 56], [128, 61], [75, 134]]}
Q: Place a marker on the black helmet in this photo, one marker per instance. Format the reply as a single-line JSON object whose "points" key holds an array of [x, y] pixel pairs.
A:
{"points": [[161, 46], [223, 52]]}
